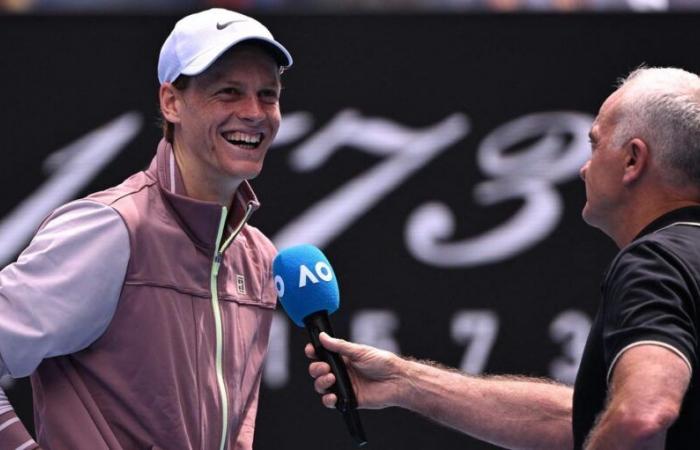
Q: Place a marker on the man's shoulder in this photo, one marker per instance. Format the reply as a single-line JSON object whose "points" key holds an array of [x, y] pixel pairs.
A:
{"points": [[673, 249], [257, 239], [679, 236], [680, 240], [678, 233], [137, 183]]}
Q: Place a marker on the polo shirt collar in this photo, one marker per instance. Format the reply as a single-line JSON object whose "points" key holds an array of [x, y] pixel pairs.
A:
{"points": [[685, 214]]}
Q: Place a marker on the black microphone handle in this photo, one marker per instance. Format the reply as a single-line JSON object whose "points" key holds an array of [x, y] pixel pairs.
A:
{"points": [[347, 403]]}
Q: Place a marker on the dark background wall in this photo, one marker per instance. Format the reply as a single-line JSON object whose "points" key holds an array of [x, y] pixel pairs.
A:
{"points": [[439, 153]]}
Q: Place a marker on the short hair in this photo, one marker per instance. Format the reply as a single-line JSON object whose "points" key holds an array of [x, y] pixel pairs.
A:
{"points": [[661, 105]]}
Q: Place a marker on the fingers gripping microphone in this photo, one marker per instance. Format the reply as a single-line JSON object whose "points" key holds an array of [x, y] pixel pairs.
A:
{"points": [[308, 290]]}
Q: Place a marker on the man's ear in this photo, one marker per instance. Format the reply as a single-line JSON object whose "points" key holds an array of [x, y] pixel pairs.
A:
{"points": [[636, 160], [170, 102]]}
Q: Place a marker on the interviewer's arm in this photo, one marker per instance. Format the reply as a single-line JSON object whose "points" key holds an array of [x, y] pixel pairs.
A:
{"points": [[513, 412], [647, 388]]}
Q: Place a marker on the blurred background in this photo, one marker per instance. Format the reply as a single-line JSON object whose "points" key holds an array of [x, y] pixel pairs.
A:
{"points": [[346, 6], [430, 147]]}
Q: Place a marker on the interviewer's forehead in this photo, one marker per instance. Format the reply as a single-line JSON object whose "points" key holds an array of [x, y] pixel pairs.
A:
{"points": [[610, 109]]}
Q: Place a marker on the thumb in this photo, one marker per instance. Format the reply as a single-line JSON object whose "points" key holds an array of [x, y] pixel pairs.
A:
{"points": [[345, 348]]}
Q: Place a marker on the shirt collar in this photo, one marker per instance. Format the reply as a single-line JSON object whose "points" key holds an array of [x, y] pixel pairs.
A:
{"points": [[685, 214]]}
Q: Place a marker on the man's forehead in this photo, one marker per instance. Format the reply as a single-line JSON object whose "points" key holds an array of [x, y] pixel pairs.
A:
{"points": [[610, 102], [596, 122], [609, 110], [240, 57]]}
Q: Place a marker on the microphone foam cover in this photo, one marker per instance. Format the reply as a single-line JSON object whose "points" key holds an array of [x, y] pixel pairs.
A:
{"points": [[305, 282]]}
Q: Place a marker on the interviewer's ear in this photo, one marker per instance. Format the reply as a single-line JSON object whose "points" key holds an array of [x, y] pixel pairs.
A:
{"points": [[169, 102], [636, 160]]}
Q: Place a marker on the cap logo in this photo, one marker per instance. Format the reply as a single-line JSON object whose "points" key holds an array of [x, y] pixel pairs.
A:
{"points": [[221, 26]]}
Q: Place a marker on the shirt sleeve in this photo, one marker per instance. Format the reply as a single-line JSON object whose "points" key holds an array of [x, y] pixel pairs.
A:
{"points": [[4, 403], [62, 292], [649, 300]]}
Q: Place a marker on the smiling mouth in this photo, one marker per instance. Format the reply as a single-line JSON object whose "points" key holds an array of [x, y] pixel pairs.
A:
{"points": [[244, 140]]}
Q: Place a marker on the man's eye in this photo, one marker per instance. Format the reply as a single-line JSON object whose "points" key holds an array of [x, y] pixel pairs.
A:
{"points": [[229, 91], [269, 95]]}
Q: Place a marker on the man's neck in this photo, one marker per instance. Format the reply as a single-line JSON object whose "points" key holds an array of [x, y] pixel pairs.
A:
{"points": [[200, 186], [637, 218]]}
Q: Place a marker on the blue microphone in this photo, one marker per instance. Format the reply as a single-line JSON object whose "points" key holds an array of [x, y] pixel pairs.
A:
{"points": [[308, 290]]}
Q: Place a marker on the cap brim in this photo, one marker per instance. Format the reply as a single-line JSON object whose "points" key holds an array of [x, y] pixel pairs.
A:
{"points": [[206, 59]]}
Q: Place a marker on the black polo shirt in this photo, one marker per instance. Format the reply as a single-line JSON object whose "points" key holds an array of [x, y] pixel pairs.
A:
{"points": [[651, 293]]}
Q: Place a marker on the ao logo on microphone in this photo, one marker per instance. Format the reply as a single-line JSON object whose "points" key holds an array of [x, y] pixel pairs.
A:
{"points": [[322, 270]]}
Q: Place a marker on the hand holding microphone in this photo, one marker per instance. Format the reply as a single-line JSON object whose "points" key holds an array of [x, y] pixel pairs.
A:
{"points": [[308, 290], [377, 375]]}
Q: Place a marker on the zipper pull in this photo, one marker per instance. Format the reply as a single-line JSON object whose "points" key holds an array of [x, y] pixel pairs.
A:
{"points": [[217, 263]]}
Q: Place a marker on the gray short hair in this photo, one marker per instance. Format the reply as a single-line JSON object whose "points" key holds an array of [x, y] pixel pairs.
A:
{"points": [[661, 106]]}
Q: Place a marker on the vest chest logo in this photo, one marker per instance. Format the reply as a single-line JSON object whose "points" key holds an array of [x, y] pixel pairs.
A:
{"points": [[240, 285]]}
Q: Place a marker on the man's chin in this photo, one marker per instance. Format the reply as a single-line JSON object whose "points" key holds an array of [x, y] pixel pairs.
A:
{"points": [[243, 171], [593, 221], [585, 214], [251, 176], [253, 172], [588, 217]]}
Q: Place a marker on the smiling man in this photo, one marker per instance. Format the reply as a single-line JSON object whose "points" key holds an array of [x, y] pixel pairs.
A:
{"points": [[142, 313]]}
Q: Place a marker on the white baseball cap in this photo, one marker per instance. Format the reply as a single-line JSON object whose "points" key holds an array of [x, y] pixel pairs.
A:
{"points": [[199, 39]]}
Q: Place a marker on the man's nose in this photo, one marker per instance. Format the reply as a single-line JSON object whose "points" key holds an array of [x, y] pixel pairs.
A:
{"points": [[583, 169], [249, 109]]}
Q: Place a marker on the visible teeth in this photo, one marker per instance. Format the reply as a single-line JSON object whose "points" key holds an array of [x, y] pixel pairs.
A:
{"points": [[238, 136]]}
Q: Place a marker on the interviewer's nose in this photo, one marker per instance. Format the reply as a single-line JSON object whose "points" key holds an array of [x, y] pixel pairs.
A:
{"points": [[583, 169]]}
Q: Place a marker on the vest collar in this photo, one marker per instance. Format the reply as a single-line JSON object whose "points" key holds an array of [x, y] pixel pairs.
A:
{"points": [[199, 219]]}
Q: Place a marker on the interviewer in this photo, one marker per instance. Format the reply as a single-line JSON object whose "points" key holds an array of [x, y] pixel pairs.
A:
{"points": [[637, 385]]}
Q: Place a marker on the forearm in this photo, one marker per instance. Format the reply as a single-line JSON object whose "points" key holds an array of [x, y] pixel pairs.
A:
{"points": [[512, 412]]}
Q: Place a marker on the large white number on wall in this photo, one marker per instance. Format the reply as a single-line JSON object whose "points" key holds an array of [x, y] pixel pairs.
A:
{"points": [[403, 151], [570, 329], [556, 145], [477, 329], [70, 169]]}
